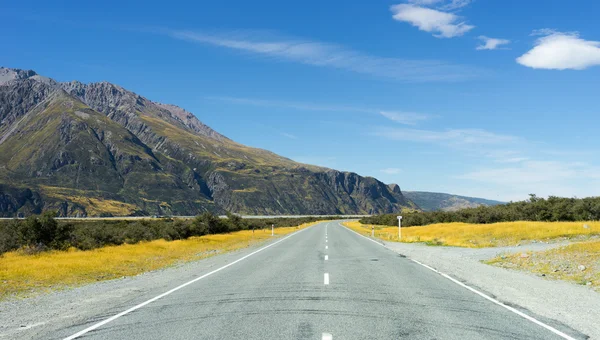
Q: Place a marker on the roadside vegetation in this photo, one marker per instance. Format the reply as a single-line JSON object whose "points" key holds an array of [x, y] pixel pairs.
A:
{"points": [[578, 262], [42, 233], [485, 235], [553, 209], [23, 274]]}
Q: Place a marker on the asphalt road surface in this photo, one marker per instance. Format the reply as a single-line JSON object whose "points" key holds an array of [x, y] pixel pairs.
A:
{"points": [[323, 282]]}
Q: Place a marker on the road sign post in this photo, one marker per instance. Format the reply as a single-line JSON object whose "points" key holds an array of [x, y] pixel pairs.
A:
{"points": [[399, 228]]}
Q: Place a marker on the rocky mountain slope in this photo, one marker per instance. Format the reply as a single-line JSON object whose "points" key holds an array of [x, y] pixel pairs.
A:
{"points": [[430, 201], [99, 149]]}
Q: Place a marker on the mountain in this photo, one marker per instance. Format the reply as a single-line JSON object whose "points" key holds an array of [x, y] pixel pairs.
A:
{"points": [[430, 201], [99, 149]]}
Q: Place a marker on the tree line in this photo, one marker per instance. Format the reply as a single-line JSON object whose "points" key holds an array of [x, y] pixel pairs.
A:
{"points": [[535, 209], [44, 232]]}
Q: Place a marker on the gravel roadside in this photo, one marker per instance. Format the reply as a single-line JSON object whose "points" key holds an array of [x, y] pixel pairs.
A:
{"points": [[576, 306], [36, 317]]}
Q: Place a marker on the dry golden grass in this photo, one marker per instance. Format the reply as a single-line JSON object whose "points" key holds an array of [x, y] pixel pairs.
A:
{"points": [[562, 263], [94, 206], [484, 235], [22, 274]]}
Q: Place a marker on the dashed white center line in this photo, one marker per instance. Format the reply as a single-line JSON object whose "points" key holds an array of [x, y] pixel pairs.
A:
{"points": [[326, 241], [326, 257], [326, 278], [326, 336], [326, 247]]}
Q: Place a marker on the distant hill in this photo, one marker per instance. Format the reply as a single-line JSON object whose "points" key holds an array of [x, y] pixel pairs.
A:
{"points": [[430, 201], [99, 149]]}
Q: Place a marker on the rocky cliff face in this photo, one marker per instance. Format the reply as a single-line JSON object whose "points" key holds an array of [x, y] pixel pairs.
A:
{"points": [[90, 149]]}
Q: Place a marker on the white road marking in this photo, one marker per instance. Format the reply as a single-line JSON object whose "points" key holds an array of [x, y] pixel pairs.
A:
{"points": [[326, 247], [326, 336], [112, 318], [483, 295], [326, 241], [326, 278], [326, 257]]}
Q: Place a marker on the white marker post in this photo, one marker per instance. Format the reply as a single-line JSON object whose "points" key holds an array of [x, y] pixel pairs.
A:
{"points": [[399, 228], [272, 230], [372, 231]]}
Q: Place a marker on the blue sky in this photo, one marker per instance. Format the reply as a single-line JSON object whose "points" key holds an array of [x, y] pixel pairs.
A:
{"points": [[496, 99]]}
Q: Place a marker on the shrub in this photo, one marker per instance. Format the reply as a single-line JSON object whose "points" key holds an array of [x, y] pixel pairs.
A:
{"points": [[534, 209]]}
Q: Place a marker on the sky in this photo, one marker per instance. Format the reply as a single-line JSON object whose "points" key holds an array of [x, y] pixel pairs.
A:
{"points": [[493, 99]]}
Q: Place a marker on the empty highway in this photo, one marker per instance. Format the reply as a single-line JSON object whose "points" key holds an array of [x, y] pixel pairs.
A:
{"points": [[323, 282]]}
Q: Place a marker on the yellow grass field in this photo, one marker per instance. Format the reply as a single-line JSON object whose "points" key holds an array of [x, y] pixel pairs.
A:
{"points": [[484, 235], [23, 275], [562, 263]]}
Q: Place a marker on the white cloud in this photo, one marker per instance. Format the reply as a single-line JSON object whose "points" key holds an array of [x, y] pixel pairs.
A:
{"points": [[561, 51], [456, 4], [407, 118], [451, 136], [425, 2], [512, 160], [442, 24], [391, 171], [543, 178], [330, 55], [534, 172], [288, 135], [491, 43], [442, 4]]}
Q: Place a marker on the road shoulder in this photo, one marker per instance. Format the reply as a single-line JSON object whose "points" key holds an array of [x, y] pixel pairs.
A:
{"points": [[576, 306]]}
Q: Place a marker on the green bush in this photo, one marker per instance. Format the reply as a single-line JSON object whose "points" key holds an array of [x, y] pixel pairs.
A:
{"points": [[534, 209], [37, 233]]}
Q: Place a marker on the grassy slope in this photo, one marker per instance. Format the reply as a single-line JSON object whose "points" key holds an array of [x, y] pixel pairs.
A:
{"points": [[99, 170], [484, 235], [24, 274], [561, 264]]}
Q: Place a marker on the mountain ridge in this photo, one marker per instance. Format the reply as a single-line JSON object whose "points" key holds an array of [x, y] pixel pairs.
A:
{"points": [[430, 201], [118, 153]]}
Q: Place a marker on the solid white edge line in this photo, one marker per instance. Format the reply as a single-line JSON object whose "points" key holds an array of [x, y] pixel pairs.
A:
{"points": [[326, 278], [483, 295], [114, 317]]}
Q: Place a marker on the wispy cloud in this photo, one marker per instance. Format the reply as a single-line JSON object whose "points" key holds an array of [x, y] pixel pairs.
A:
{"points": [[456, 4], [533, 172], [441, 24], [491, 43], [288, 135], [407, 118], [561, 51], [291, 104], [445, 137], [322, 54], [391, 171], [442, 4], [512, 160]]}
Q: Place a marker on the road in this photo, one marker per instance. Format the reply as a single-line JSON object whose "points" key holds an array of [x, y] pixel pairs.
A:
{"points": [[323, 282]]}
